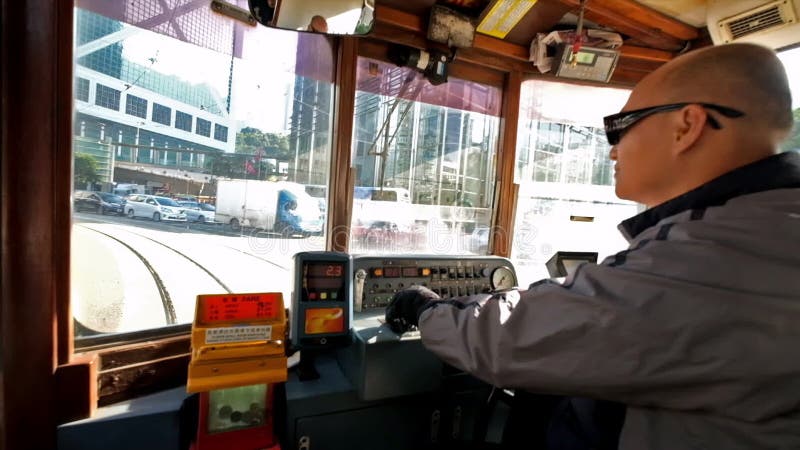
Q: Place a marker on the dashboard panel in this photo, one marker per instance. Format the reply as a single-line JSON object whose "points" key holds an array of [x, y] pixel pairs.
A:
{"points": [[377, 278]]}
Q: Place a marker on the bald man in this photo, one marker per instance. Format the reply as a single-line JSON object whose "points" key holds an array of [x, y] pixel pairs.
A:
{"points": [[695, 328], [318, 24]]}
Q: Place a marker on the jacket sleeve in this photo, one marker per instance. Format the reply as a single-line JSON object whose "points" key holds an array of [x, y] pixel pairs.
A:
{"points": [[630, 334]]}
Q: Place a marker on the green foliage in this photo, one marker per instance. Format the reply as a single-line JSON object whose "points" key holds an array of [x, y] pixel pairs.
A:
{"points": [[252, 140], [221, 165], [235, 165], [793, 143], [85, 167], [253, 155]]}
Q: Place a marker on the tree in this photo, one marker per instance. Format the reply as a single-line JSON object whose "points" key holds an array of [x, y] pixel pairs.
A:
{"points": [[253, 148], [793, 143], [85, 170], [250, 140], [229, 165]]}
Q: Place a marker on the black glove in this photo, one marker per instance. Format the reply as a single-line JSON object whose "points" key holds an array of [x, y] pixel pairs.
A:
{"points": [[405, 307]]}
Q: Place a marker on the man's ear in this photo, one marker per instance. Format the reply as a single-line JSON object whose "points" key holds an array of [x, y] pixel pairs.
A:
{"points": [[688, 127]]}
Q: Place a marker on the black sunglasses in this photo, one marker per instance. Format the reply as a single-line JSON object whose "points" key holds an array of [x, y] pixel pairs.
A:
{"points": [[617, 124]]}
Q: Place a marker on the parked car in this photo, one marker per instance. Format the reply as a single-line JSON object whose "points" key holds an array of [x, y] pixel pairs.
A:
{"points": [[100, 202], [155, 207], [198, 212]]}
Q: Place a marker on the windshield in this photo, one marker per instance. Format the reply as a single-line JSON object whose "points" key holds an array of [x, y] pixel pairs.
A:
{"points": [[163, 201], [111, 198], [165, 115]]}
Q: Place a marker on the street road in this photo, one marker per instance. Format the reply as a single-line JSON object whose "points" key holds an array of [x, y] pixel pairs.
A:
{"points": [[134, 274]]}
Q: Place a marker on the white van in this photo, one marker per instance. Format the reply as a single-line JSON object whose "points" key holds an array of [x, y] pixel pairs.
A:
{"points": [[154, 207]]}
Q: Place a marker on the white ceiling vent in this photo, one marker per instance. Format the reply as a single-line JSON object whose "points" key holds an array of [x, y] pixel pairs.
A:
{"points": [[773, 24]]}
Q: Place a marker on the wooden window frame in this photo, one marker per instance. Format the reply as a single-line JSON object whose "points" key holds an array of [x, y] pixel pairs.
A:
{"points": [[38, 358]]}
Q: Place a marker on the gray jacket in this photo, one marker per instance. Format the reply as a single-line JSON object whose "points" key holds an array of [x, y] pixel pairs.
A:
{"points": [[696, 327]]}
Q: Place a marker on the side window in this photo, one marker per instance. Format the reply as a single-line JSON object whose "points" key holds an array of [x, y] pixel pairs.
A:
{"points": [[791, 61], [239, 118], [566, 180]]}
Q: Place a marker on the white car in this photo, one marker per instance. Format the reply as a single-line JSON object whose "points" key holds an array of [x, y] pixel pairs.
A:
{"points": [[198, 212], [154, 207]]}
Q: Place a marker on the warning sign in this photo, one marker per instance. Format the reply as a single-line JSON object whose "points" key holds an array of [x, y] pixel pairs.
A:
{"points": [[238, 334]]}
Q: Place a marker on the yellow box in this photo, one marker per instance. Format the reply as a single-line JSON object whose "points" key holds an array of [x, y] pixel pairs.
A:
{"points": [[238, 340]]}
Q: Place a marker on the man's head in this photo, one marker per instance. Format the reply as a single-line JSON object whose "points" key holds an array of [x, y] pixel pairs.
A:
{"points": [[318, 24], [728, 106]]}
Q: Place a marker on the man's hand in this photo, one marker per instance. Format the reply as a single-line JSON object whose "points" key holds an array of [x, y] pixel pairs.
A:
{"points": [[404, 309]]}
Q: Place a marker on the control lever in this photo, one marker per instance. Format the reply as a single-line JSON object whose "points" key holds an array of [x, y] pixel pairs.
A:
{"points": [[358, 290]]}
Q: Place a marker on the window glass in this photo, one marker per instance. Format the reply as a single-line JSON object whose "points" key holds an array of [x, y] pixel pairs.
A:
{"points": [[203, 127], [425, 161], [107, 97], [220, 132], [82, 89], [162, 114], [139, 264], [135, 106], [791, 61], [183, 121], [566, 194]]}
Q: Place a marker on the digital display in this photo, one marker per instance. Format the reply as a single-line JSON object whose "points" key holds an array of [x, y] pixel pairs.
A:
{"points": [[324, 281], [410, 272], [324, 270], [324, 320], [391, 272], [241, 307], [585, 58]]}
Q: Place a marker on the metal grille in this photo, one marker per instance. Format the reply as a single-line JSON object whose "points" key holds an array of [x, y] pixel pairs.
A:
{"points": [[187, 20], [769, 16]]}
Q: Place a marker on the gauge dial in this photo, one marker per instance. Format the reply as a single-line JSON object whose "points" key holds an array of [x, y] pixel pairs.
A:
{"points": [[502, 279]]}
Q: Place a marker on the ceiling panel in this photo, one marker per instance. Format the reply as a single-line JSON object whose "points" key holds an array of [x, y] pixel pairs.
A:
{"points": [[691, 12]]}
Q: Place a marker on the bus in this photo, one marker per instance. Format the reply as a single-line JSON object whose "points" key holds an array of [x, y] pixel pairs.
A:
{"points": [[472, 114]]}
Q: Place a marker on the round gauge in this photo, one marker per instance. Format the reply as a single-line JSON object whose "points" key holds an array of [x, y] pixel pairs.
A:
{"points": [[502, 279]]}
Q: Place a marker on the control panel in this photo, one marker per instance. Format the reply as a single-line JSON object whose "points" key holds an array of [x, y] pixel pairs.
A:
{"points": [[377, 278], [321, 311]]}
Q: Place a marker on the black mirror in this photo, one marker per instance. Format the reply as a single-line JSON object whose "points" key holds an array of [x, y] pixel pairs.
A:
{"points": [[334, 17]]}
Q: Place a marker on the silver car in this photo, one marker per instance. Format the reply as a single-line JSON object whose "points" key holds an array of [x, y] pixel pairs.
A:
{"points": [[198, 212], [154, 207]]}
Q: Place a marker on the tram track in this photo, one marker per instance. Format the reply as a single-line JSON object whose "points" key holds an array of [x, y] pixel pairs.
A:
{"points": [[187, 257], [166, 300], [175, 308], [201, 266], [210, 231]]}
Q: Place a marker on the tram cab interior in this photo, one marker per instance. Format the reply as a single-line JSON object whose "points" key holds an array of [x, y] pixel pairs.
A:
{"points": [[484, 114]]}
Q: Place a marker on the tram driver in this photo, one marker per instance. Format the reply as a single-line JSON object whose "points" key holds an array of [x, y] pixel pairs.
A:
{"points": [[693, 329]]}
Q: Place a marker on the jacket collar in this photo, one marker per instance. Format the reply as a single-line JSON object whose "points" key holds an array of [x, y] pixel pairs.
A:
{"points": [[774, 172]]}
